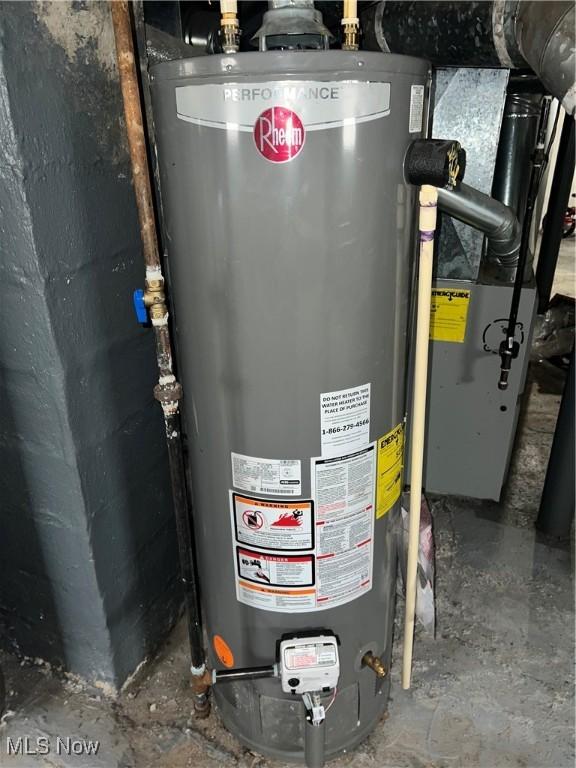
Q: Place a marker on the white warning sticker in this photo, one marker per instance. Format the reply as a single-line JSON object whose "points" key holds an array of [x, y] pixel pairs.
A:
{"points": [[311, 555], [277, 599], [416, 108], [344, 420], [275, 570], [277, 477], [343, 491], [272, 525]]}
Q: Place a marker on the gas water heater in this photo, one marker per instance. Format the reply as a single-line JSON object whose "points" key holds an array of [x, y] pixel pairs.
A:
{"points": [[290, 231]]}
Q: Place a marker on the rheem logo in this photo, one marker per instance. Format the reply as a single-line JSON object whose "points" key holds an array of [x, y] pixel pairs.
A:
{"points": [[279, 134]]}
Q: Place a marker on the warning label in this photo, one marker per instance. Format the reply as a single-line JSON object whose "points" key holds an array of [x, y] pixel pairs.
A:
{"points": [[311, 555], [272, 525], [344, 420], [389, 473], [343, 491], [278, 477], [448, 314], [313, 655], [290, 570], [275, 598]]}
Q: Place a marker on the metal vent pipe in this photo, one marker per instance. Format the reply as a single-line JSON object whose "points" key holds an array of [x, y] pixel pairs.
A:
{"points": [[513, 162], [498, 221]]}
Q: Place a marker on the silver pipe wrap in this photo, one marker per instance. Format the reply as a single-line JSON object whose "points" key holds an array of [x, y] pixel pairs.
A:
{"points": [[509, 33]]}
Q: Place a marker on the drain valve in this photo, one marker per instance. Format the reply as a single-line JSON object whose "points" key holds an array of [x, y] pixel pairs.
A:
{"points": [[369, 660]]}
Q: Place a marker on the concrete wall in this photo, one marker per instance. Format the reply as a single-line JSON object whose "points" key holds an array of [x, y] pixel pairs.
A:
{"points": [[87, 546]]}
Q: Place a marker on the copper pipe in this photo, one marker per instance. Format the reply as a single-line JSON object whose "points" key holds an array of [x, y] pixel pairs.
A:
{"points": [[168, 391], [135, 130]]}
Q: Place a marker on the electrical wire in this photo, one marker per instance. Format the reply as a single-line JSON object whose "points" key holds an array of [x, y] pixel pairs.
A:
{"points": [[331, 700]]}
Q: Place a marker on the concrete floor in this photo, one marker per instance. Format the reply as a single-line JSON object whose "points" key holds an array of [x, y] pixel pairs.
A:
{"points": [[564, 277], [494, 689]]}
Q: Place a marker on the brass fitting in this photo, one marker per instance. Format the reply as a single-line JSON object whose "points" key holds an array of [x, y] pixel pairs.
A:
{"points": [[200, 685], [350, 34], [155, 298], [351, 24], [201, 706], [168, 394], [230, 35], [375, 664], [229, 28]]}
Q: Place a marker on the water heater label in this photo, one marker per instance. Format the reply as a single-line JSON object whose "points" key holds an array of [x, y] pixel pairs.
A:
{"points": [[272, 525], [389, 473], [416, 108], [344, 420], [276, 477], [343, 491], [317, 104]]}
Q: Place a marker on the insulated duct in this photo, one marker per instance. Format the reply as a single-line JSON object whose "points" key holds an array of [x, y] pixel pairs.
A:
{"points": [[501, 33]]}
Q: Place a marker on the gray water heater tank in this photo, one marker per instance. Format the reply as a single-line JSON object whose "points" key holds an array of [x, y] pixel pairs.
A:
{"points": [[290, 234]]}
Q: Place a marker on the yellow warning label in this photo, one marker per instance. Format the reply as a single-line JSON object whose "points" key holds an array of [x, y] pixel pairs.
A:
{"points": [[448, 314], [389, 475]]}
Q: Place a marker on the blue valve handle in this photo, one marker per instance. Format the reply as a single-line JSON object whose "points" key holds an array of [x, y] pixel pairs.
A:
{"points": [[140, 307]]}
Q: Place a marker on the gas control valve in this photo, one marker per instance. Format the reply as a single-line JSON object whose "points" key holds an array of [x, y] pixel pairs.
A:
{"points": [[309, 664]]}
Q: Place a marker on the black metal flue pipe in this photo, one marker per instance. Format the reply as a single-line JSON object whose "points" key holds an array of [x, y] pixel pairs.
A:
{"points": [[557, 204], [558, 497]]}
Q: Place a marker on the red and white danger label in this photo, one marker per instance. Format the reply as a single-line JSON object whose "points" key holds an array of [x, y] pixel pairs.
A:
{"points": [[279, 134], [275, 570]]}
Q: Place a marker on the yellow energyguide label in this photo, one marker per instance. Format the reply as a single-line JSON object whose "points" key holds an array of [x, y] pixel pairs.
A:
{"points": [[448, 314], [389, 472]]}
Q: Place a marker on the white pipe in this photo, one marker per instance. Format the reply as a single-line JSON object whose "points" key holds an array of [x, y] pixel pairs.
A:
{"points": [[427, 226], [350, 9], [228, 6]]}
